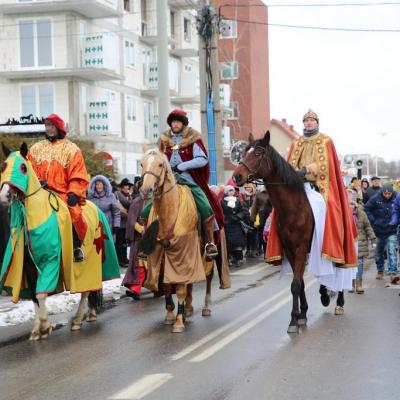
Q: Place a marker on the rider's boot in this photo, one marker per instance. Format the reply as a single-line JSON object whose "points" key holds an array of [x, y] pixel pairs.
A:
{"points": [[211, 250], [78, 253]]}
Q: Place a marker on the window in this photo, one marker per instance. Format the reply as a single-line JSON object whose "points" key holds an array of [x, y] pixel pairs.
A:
{"points": [[172, 23], [37, 100], [129, 53], [229, 70], [127, 5], [233, 111], [35, 43], [130, 108], [228, 29], [187, 30]]}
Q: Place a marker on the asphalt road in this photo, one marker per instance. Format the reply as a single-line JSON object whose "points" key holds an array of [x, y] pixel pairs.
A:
{"points": [[241, 352]]}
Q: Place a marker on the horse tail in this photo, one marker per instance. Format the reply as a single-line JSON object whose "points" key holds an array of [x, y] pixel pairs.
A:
{"points": [[149, 239], [95, 299]]}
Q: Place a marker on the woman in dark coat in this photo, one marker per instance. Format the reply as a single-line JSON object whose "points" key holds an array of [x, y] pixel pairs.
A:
{"points": [[234, 213], [100, 193]]}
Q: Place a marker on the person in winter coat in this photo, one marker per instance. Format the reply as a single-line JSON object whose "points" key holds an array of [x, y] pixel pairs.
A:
{"points": [[234, 213], [373, 190], [100, 193], [365, 235], [379, 211], [124, 198], [252, 235]]}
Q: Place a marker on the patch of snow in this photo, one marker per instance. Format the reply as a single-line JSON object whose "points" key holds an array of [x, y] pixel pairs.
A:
{"points": [[23, 311]]}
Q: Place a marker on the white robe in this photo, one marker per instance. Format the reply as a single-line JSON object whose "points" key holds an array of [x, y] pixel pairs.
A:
{"points": [[336, 279]]}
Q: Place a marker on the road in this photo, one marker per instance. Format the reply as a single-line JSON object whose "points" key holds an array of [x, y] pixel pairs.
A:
{"points": [[241, 352]]}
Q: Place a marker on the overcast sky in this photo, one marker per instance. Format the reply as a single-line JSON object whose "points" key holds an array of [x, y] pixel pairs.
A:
{"points": [[351, 79]]}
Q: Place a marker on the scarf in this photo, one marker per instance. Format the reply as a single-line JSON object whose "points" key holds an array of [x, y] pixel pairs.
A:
{"points": [[311, 133], [231, 200]]}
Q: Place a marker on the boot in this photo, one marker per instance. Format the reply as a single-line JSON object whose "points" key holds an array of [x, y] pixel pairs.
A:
{"points": [[359, 288], [353, 286], [379, 275], [210, 248], [78, 253]]}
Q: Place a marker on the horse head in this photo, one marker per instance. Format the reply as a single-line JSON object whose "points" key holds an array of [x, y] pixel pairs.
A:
{"points": [[252, 164], [14, 174], [155, 169]]}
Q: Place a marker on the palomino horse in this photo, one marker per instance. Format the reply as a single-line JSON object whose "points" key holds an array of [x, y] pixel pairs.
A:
{"points": [[41, 242], [175, 260], [295, 220]]}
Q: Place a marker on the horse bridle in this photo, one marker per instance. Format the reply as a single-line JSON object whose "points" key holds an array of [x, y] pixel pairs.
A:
{"points": [[252, 174], [158, 177]]}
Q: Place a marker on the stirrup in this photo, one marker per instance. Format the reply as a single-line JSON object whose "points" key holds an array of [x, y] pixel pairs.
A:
{"points": [[211, 251]]}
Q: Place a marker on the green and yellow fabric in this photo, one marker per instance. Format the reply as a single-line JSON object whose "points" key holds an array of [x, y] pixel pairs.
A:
{"points": [[40, 226]]}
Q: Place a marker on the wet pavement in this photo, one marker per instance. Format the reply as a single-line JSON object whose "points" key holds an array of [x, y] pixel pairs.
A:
{"points": [[241, 351]]}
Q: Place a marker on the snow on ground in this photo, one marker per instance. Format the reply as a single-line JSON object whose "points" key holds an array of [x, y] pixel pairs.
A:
{"points": [[23, 311]]}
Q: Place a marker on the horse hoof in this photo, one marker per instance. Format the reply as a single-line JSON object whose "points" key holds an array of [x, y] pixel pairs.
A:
{"points": [[302, 321], [339, 310], [206, 312], [76, 327], [35, 336], [178, 328], [169, 321], [91, 318], [44, 334], [293, 329]]}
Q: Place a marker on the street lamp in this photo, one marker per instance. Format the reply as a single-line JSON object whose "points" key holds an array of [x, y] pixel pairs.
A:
{"points": [[376, 157]]}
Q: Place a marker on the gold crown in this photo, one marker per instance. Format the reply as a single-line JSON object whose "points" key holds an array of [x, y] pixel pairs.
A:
{"points": [[310, 114]]}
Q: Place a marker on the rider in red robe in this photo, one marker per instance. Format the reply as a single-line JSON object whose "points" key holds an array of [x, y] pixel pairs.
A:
{"points": [[314, 156]]}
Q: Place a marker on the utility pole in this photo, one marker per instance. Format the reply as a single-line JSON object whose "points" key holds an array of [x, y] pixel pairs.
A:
{"points": [[207, 26], [162, 63]]}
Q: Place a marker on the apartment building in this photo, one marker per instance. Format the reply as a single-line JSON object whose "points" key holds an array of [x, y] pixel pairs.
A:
{"points": [[244, 70], [94, 62]]}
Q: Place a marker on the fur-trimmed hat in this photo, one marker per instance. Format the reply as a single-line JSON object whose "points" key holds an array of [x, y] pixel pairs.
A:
{"points": [[58, 123], [178, 115], [311, 114]]}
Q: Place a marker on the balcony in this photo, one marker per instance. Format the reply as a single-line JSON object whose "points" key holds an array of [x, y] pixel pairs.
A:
{"points": [[183, 4], [90, 74], [87, 8]]}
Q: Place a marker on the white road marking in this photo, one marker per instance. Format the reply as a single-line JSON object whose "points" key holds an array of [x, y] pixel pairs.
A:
{"points": [[229, 325], [142, 387], [234, 335], [250, 270]]}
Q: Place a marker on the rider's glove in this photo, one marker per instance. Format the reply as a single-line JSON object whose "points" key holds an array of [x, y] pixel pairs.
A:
{"points": [[302, 172], [176, 169], [72, 199]]}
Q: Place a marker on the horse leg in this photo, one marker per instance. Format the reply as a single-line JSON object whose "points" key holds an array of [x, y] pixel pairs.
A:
{"points": [[189, 301], [35, 334], [206, 311], [296, 290], [169, 305], [302, 320], [339, 309], [179, 325], [95, 300], [325, 298], [78, 318], [45, 328]]}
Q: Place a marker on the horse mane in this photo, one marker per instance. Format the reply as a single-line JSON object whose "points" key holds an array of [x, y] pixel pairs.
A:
{"points": [[284, 170]]}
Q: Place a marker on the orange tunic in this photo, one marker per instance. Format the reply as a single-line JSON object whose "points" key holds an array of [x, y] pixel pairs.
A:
{"points": [[61, 165], [340, 230]]}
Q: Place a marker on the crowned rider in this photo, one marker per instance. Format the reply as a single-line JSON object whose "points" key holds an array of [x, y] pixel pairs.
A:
{"points": [[188, 158], [314, 157], [59, 165]]}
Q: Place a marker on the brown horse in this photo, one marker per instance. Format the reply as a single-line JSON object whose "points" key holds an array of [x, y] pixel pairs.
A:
{"points": [[294, 217], [174, 260]]}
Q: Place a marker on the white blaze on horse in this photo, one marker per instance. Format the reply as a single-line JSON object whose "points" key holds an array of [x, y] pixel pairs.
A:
{"points": [[39, 255], [172, 240]]}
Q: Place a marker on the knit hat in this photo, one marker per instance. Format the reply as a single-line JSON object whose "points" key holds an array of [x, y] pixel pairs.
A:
{"points": [[178, 115], [58, 123], [387, 187], [311, 114], [228, 188], [125, 182]]}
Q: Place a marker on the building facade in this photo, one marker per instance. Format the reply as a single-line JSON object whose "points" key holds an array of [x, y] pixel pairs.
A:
{"points": [[94, 63], [244, 70]]}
